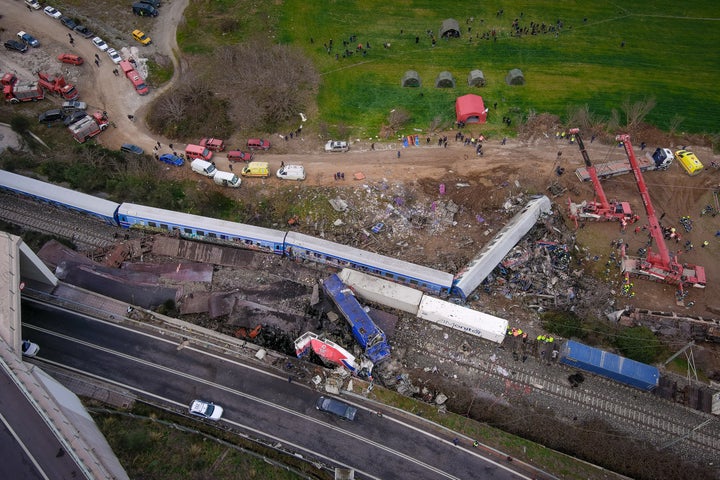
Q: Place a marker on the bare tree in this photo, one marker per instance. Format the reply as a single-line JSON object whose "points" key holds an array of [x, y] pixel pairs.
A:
{"points": [[636, 112]]}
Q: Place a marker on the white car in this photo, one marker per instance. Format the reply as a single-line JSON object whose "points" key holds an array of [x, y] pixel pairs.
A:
{"points": [[336, 146], [204, 409], [100, 44], [54, 13], [114, 55], [29, 349], [33, 4]]}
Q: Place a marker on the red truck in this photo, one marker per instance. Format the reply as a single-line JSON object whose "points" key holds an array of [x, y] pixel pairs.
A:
{"points": [[137, 81], [88, 126], [214, 144], [16, 92], [58, 86]]}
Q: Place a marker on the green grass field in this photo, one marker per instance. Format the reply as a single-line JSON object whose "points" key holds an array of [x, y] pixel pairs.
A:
{"points": [[669, 53]]}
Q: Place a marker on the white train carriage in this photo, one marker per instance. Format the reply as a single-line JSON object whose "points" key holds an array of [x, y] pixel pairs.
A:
{"points": [[492, 254], [298, 245], [463, 319], [60, 197], [196, 227]]}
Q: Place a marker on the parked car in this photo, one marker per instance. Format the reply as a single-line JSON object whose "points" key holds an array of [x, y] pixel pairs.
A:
{"points": [[140, 36], [68, 22], [144, 10], [239, 156], [291, 172], [336, 146], [15, 45], [258, 144], [73, 117], [51, 116], [171, 159], [71, 59], [130, 148], [205, 409], [53, 12], [29, 39], [336, 407], [84, 31], [100, 44], [34, 4], [114, 55], [29, 349], [73, 105]]}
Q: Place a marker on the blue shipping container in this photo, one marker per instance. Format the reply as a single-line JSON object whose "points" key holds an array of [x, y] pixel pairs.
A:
{"points": [[606, 364]]}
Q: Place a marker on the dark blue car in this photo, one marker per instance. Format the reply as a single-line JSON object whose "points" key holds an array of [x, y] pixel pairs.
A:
{"points": [[171, 159]]}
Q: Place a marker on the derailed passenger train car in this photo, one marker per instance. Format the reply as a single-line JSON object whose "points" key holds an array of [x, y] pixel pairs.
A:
{"points": [[196, 227], [59, 197], [630, 372]]}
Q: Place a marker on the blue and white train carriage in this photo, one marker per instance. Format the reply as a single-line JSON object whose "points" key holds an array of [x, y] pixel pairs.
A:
{"points": [[187, 225], [298, 245], [59, 197]]}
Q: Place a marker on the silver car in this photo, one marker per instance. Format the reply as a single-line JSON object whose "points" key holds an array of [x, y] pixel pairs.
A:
{"points": [[336, 407]]}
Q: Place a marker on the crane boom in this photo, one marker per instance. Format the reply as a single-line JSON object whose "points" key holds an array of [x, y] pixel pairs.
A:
{"points": [[591, 171], [600, 209], [661, 266], [653, 223]]}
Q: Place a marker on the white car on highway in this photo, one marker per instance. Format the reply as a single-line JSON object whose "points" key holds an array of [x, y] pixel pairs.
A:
{"points": [[100, 43], [204, 409], [29, 349], [114, 55], [54, 13]]}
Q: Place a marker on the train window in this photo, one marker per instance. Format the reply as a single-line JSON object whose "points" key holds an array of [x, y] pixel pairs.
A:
{"points": [[212, 235], [164, 226], [414, 282], [200, 233], [188, 230], [224, 237], [152, 224]]}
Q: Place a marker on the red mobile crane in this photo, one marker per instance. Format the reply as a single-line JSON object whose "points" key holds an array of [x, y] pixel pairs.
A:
{"points": [[660, 266], [599, 209]]}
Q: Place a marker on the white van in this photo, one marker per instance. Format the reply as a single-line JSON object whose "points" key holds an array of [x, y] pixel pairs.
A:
{"points": [[227, 179], [291, 172], [203, 168]]}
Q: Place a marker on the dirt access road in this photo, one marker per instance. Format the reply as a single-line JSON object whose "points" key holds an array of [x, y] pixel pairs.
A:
{"points": [[475, 183]]}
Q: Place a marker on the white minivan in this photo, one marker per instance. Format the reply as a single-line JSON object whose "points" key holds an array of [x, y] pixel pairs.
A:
{"points": [[227, 179], [291, 172], [203, 168]]}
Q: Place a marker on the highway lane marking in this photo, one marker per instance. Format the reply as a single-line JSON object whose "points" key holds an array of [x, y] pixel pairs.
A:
{"points": [[259, 400], [24, 448], [236, 393]]}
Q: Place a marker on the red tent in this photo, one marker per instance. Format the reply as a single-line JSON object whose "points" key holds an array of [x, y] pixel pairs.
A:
{"points": [[470, 109]]}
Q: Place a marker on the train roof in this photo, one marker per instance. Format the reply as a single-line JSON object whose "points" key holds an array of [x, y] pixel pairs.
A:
{"points": [[621, 369], [206, 224], [372, 260], [53, 193]]}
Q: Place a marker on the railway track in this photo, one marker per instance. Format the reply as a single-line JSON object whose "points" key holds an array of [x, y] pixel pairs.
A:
{"points": [[86, 233], [661, 422]]}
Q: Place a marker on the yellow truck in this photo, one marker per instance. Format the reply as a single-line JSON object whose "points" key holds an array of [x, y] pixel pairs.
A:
{"points": [[256, 169], [689, 162]]}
